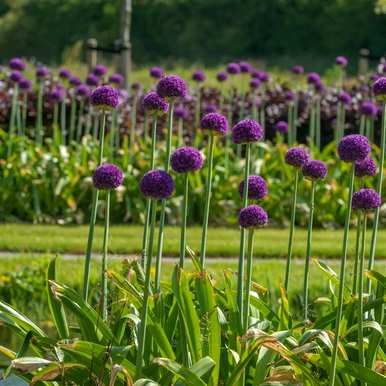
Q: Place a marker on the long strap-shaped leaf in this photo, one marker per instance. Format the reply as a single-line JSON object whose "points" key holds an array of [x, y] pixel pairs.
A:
{"points": [[362, 373]]}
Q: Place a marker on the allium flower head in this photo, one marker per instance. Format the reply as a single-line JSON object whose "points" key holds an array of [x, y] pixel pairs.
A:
{"points": [[16, 76], [17, 64], [57, 94], [297, 69], [282, 127], [341, 61], [313, 78], [366, 167], [92, 80], [253, 216], [100, 70], [209, 108], [157, 184], [257, 188], [156, 72], [154, 104], [42, 72], [215, 122], [172, 86], [181, 112], [297, 156], [254, 83], [107, 177], [198, 76], [233, 68], [354, 147], [246, 131], [186, 159], [262, 75], [314, 170], [105, 98], [83, 91], [222, 76], [344, 97], [379, 88], [64, 73], [116, 79], [75, 81], [25, 84], [289, 96], [245, 67], [369, 109], [366, 199]]}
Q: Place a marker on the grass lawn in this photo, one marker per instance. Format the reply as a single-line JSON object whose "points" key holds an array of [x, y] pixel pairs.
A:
{"points": [[126, 239]]}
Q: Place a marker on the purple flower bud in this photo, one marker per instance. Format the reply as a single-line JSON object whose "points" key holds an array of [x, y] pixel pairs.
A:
{"points": [[75, 81], [154, 104], [246, 131], [313, 78], [379, 87], [83, 91], [297, 69], [314, 170], [172, 86], [282, 127], [107, 177], [116, 79], [92, 80], [105, 98], [366, 199], [156, 72], [369, 109], [215, 122], [233, 68], [366, 167], [100, 70], [42, 72], [257, 188], [344, 97], [186, 159], [15, 76], [25, 84], [222, 76], [341, 61], [262, 75], [157, 184], [64, 73], [254, 83], [181, 112], [297, 156], [198, 76], [253, 216], [354, 147], [57, 94], [245, 67], [17, 64], [289, 96]]}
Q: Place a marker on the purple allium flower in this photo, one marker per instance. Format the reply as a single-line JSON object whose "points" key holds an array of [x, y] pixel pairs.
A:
{"points": [[253, 216], [215, 122], [257, 188], [209, 108], [341, 61], [366, 167], [17, 64], [297, 156], [254, 83], [186, 159], [313, 78], [16, 76], [262, 75], [107, 177], [154, 104], [116, 79], [245, 67], [172, 86], [57, 94], [75, 81], [344, 97], [369, 109], [198, 76], [246, 131], [92, 80], [354, 147], [105, 98], [25, 84], [289, 96], [157, 184], [366, 199], [83, 91], [379, 87], [42, 72], [100, 70], [156, 72], [282, 127], [233, 68], [319, 87], [314, 170], [64, 73], [222, 76], [297, 69], [180, 112]]}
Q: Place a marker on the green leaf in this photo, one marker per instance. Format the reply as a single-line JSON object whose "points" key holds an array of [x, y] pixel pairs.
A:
{"points": [[362, 373], [159, 336]]}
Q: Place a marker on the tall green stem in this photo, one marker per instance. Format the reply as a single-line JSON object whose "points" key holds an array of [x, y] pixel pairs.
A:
{"points": [[357, 257], [104, 258], [184, 220], [72, 119], [208, 193], [55, 124], [24, 112], [79, 124], [342, 277], [39, 115], [291, 230], [309, 251], [146, 294], [12, 121], [133, 123], [249, 276], [318, 124], [63, 120]]}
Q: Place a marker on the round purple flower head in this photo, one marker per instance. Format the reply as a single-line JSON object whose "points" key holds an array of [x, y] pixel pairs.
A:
{"points": [[369, 109], [297, 69], [379, 88], [157, 184], [116, 79], [354, 147], [246, 131], [297, 156], [64, 73], [107, 177], [222, 76], [257, 188], [83, 91], [245, 67], [366, 199], [57, 94], [313, 78], [253, 216], [314, 170], [92, 80], [254, 83], [366, 167], [100, 70], [25, 84], [341, 61], [172, 86], [186, 159], [105, 98], [156, 72], [262, 75], [233, 68], [16, 76], [42, 72], [75, 81], [282, 127], [154, 104], [17, 64], [289, 96], [180, 112], [198, 76], [209, 108], [344, 97], [215, 122]]}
